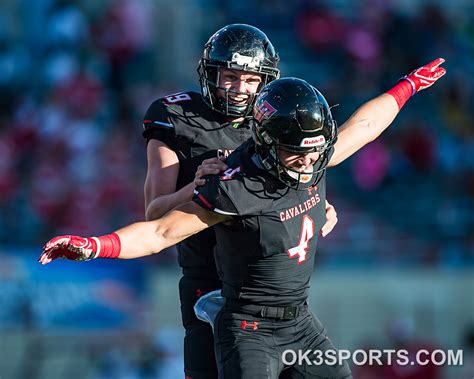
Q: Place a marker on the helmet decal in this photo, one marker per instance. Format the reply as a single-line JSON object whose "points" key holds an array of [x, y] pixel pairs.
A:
{"points": [[245, 60], [313, 141], [263, 109]]}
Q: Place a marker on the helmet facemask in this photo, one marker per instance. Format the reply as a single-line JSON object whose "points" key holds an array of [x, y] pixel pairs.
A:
{"points": [[236, 47], [209, 77], [268, 149], [302, 180]]}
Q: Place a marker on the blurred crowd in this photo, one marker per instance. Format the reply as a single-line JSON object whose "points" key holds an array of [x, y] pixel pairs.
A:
{"points": [[77, 76], [72, 156]]}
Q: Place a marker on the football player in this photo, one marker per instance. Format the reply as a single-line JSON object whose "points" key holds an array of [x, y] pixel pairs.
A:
{"points": [[186, 133], [266, 209]]}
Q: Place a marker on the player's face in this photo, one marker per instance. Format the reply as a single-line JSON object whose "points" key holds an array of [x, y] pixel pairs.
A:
{"points": [[239, 84], [298, 162], [301, 164]]}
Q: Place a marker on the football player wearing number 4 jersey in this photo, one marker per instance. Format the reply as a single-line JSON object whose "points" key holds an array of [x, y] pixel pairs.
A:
{"points": [[267, 210], [185, 132]]}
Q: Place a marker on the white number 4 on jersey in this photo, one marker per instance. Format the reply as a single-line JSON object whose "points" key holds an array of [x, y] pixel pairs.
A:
{"points": [[307, 232]]}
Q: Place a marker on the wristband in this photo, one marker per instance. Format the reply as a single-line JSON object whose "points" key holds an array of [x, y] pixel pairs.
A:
{"points": [[108, 246], [401, 92]]}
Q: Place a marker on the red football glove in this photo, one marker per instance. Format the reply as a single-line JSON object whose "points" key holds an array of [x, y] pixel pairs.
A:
{"points": [[425, 76], [417, 80], [74, 248], [77, 248]]}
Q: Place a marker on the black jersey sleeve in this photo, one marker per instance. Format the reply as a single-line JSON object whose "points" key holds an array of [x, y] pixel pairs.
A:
{"points": [[213, 197], [157, 125], [241, 190], [240, 195]]}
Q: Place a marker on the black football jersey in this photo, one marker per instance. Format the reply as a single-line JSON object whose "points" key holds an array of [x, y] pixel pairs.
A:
{"points": [[266, 254], [195, 132]]}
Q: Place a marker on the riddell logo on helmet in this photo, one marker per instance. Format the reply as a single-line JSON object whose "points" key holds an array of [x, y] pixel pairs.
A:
{"points": [[313, 141], [263, 109]]}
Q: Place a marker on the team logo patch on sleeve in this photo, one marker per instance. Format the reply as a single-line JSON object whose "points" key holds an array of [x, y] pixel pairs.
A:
{"points": [[230, 173]]}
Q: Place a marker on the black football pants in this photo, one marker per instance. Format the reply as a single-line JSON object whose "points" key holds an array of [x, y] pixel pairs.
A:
{"points": [[199, 357], [251, 347]]}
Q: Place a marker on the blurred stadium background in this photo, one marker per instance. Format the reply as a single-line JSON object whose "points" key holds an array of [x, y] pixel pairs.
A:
{"points": [[75, 80]]}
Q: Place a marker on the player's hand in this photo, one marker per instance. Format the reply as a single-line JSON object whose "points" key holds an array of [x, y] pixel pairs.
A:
{"points": [[74, 248], [331, 220], [209, 166], [425, 76]]}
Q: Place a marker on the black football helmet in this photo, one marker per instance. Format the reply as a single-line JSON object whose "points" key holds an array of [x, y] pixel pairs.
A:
{"points": [[239, 47], [292, 115]]}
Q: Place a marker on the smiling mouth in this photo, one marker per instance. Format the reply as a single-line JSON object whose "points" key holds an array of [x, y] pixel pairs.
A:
{"points": [[238, 100]]}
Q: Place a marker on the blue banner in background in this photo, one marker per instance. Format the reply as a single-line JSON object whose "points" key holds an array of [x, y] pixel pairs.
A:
{"points": [[69, 295]]}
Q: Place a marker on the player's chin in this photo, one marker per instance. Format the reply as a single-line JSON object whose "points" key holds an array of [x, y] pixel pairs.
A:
{"points": [[304, 175]]}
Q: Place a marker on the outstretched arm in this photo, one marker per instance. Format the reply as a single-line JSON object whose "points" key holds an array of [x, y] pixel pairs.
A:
{"points": [[373, 117], [136, 240]]}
